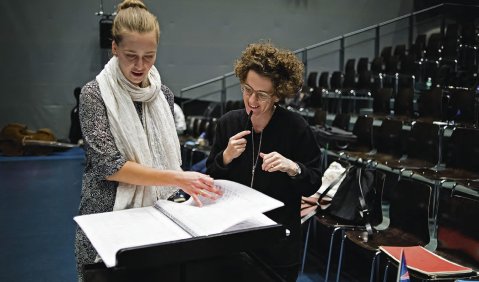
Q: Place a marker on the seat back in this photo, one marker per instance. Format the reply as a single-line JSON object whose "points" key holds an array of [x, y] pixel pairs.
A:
{"points": [[457, 233], [364, 80], [200, 126], [312, 81], [363, 129], [400, 50], [429, 70], [363, 65], [315, 98], [349, 67], [423, 141], [211, 130], [460, 108], [405, 81], [445, 76], [324, 80], [392, 65], [468, 33], [341, 121], [409, 208], [377, 65], [419, 46], [430, 105], [386, 52], [463, 150], [320, 116], [433, 48], [388, 137], [192, 125], [382, 101], [403, 103], [408, 64], [336, 81], [349, 81]]}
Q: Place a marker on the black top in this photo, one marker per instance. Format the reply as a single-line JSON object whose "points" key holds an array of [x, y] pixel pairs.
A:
{"points": [[288, 134]]}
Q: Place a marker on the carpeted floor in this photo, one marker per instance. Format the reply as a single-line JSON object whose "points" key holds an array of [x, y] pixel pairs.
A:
{"points": [[39, 197]]}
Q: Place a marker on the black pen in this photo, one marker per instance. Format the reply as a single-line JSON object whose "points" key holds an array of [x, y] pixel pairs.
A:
{"points": [[248, 121]]}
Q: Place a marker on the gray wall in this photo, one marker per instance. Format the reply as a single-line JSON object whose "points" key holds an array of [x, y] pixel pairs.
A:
{"points": [[49, 47]]}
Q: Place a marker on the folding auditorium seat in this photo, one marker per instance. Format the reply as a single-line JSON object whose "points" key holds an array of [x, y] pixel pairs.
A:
{"points": [[457, 237], [462, 158], [408, 226], [334, 227], [430, 105], [382, 102], [422, 147], [404, 104], [387, 143]]}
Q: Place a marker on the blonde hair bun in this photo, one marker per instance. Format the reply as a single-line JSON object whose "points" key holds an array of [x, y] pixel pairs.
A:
{"points": [[131, 4]]}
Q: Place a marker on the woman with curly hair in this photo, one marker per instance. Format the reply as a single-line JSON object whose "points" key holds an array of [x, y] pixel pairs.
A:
{"points": [[268, 147]]}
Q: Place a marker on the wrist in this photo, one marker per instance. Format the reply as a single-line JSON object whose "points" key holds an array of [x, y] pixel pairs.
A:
{"points": [[295, 171], [226, 158]]}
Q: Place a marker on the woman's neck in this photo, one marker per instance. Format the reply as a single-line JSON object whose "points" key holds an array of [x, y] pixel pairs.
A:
{"points": [[145, 83], [260, 123]]}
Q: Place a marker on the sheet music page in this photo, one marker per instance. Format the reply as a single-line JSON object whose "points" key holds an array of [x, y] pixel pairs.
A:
{"points": [[255, 221], [237, 204], [109, 232]]}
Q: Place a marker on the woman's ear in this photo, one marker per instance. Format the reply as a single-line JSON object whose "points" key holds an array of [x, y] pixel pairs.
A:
{"points": [[114, 48]]}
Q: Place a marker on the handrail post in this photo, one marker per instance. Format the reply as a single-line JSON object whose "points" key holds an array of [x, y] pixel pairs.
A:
{"points": [[223, 94], [304, 57], [341, 54], [376, 41], [411, 30]]}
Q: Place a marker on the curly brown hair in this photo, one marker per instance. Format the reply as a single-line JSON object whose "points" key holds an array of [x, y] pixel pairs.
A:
{"points": [[283, 67]]}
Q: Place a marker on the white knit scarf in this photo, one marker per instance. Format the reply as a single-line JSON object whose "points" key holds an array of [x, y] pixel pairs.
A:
{"points": [[151, 142]]}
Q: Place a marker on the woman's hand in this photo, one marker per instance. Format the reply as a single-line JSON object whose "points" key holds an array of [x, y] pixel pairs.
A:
{"points": [[236, 146], [274, 161], [196, 184]]}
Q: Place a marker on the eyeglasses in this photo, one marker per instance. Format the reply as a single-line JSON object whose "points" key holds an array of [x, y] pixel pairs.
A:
{"points": [[260, 95]]}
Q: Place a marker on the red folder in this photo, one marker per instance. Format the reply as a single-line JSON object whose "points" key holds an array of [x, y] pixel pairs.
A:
{"points": [[424, 261]]}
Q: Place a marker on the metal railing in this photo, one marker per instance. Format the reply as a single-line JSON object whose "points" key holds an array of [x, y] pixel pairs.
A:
{"points": [[303, 52]]}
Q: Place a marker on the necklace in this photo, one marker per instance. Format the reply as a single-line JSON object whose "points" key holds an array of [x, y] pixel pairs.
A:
{"points": [[255, 161]]}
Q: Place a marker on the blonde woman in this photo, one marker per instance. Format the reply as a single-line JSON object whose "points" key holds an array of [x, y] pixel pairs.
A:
{"points": [[126, 114]]}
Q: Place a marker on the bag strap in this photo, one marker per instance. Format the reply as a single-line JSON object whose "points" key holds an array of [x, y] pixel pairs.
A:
{"points": [[340, 177], [364, 207]]}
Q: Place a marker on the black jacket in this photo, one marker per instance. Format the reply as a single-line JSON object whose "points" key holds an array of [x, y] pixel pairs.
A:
{"points": [[288, 134]]}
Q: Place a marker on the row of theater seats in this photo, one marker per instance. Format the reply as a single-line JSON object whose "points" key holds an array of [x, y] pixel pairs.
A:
{"points": [[347, 247], [197, 125], [457, 106], [425, 205], [434, 151], [445, 61]]}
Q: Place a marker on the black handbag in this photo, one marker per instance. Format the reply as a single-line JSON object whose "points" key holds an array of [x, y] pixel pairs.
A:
{"points": [[354, 197]]}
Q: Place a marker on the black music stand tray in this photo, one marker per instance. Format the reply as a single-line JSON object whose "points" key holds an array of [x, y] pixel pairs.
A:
{"points": [[219, 257]]}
